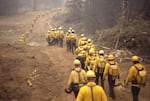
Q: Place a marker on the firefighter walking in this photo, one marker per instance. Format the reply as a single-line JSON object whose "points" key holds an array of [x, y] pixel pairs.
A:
{"points": [[112, 70], [77, 78], [91, 91], [137, 76], [100, 68]]}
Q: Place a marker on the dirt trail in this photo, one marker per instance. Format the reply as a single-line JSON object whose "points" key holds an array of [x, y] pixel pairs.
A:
{"points": [[52, 66]]}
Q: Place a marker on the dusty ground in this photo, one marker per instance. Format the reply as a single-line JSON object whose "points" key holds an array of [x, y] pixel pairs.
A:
{"points": [[47, 68]]}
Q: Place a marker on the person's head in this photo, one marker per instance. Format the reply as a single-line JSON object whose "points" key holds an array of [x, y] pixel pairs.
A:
{"points": [[91, 76], [91, 52], [76, 63], [60, 28], [111, 57], [135, 59], [82, 35], [69, 31], [73, 31], [89, 40], [101, 52]]}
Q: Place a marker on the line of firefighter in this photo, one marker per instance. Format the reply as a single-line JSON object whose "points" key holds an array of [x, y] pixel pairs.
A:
{"points": [[90, 59], [55, 37]]}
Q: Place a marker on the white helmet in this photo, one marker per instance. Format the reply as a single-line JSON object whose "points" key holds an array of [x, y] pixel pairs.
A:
{"points": [[60, 28], [101, 52]]}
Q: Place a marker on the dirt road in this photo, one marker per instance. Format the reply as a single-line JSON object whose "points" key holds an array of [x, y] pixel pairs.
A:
{"points": [[37, 72]]}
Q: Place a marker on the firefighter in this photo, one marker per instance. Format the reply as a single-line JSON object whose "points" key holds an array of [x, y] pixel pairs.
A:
{"points": [[91, 91], [27, 34], [77, 78], [112, 70], [22, 39], [91, 61], [137, 76], [68, 41], [99, 71], [61, 36], [73, 38], [56, 36], [82, 57], [82, 38]]}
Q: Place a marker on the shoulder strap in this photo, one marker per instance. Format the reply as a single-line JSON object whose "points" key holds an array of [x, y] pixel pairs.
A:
{"points": [[79, 75], [138, 69], [92, 93], [91, 86]]}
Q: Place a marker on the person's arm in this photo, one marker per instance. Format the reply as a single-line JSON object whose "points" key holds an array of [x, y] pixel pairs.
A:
{"points": [[130, 76], [70, 80], [80, 95], [106, 71]]}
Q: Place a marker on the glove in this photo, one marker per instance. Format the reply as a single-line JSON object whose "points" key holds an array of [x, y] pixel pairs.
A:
{"points": [[68, 90]]}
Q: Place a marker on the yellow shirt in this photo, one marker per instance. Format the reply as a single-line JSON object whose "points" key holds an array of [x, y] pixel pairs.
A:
{"points": [[74, 78], [79, 42], [86, 95], [61, 34], [101, 62], [133, 72], [56, 34], [91, 61], [108, 68], [73, 37]]}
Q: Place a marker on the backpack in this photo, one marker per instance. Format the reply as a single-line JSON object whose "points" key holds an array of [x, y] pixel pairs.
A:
{"points": [[141, 76], [101, 65], [114, 70]]}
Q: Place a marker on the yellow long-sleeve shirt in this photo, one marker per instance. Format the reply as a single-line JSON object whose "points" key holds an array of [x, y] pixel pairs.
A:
{"points": [[61, 34], [108, 68], [86, 95], [91, 61], [101, 62], [74, 77], [132, 75]]}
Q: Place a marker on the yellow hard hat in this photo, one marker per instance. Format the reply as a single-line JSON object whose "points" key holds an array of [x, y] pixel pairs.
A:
{"points": [[91, 51], [89, 40], [101, 52], [70, 28], [111, 57], [69, 31], [82, 35], [73, 31], [135, 58], [76, 62], [90, 73], [83, 52], [60, 28], [84, 39]]}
